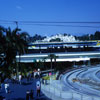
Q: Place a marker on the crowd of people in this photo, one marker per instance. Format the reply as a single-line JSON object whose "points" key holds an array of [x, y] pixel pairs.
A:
{"points": [[4, 83]]}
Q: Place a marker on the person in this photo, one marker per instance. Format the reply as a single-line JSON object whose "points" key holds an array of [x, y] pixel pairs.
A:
{"points": [[1, 97], [14, 79], [38, 83], [28, 77], [31, 95], [20, 77], [32, 75], [0, 85], [50, 74], [38, 73], [27, 95], [38, 88], [4, 98], [42, 80], [7, 87], [35, 73], [2, 81]]}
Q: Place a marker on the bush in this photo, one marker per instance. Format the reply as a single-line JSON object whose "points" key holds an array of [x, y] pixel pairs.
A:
{"points": [[48, 77]]}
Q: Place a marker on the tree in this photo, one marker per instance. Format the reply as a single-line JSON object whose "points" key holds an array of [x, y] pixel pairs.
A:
{"points": [[6, 50], [10, 51], [56, 40], [12, 43], [51, 57], [97, 35], [36, 37], [20, 43], [2, 45], [44, 61], [55, 57]]}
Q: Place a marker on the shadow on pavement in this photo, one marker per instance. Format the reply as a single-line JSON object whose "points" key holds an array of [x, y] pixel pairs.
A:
{"points": [[18, 99], [24, 83], [42, 97], [18, 92]]}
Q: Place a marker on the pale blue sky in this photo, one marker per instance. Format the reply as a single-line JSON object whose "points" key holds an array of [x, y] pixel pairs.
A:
{"points": [[51, 11]]}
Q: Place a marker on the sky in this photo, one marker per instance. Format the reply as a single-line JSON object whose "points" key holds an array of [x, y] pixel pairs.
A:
{"points": [[52, 14]]}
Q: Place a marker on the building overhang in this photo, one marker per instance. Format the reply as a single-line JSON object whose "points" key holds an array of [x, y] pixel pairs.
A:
{"points": [[61, 57]]}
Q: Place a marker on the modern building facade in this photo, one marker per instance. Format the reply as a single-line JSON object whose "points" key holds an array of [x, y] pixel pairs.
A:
{"points": [[64, 51]]}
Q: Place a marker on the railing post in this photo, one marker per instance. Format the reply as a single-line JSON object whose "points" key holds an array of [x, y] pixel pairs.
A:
{"points": [[92, 98], [72, 96], [54, 92], [49, 86], [54, 89], [81, 97]]}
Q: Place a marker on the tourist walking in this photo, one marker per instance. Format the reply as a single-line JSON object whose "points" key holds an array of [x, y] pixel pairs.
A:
{"points": [[38, 73], [28, 76], [27, 95], [6, 87], [20, 77], [31, 95], [35, 73], [14, 79], [38, 88], [4, 98], [0, 85]]}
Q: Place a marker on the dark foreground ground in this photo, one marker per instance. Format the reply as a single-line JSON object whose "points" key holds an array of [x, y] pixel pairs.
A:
{"points": [[18, 91]]}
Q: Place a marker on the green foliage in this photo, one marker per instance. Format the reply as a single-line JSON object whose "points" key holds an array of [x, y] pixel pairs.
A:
{"points": [[40, 64], [48, 77], [56, 40], [95, 36], [36, 37], [12, 42]]}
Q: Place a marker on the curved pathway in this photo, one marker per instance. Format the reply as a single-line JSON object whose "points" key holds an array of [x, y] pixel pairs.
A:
{"points": [[82, 73], [83, 89]]}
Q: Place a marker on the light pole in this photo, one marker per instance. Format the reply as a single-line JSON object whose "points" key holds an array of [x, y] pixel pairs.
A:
{"points": [[16, 22]]}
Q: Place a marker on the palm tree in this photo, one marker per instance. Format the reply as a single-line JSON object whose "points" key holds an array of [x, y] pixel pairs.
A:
{"points": [[16, 44], [52, 56], [10, 47], [12, 42], [55, 57], [6, 51], [20, 42], [44, 61], [2, 45]]}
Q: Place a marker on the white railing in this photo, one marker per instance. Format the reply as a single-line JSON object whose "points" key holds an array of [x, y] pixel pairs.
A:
{"points": [[57, 90]]}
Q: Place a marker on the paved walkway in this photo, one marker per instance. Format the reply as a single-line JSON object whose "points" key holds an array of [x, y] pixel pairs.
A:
{"points": [[56, 91], [18, 92]]}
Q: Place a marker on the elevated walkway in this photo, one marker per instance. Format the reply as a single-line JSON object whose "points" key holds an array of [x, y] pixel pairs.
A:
{"points": [[64, 56]]}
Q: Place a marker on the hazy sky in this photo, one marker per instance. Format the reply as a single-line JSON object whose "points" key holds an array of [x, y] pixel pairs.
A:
{"points": [[51, 11]]}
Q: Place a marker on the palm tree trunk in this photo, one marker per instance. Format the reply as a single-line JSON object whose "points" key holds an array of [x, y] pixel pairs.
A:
{"points": [[51, 65], [44, 63], [18, 66], [17, 72], [55, 63]]}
